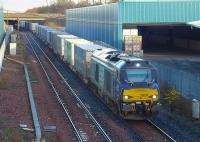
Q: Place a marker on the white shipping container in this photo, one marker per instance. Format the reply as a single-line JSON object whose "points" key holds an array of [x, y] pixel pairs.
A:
{"points": [[43, 33], [33, 26], [69, 49], [60, 42], [47, 34], [82, 58], [54, 39]]}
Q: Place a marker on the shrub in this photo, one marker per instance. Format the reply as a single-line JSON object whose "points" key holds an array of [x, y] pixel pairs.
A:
{"points": [[171, 96]]}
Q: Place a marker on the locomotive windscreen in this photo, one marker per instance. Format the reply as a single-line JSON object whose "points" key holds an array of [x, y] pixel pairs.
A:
{"points": [[136, 75]]}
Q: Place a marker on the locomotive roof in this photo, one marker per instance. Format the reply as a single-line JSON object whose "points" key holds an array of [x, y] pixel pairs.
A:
{"points": [[106, 52], [114, 57]]}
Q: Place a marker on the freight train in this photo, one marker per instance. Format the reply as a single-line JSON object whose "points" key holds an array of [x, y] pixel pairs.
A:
{"points": [[127, 83]]}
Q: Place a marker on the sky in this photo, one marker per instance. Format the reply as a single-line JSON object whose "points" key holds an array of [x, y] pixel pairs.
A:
{"points": [[22, 5]]}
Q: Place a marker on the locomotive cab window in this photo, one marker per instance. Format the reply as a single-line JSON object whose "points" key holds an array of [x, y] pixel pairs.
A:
{"points": [[97, 73], [108, 81]]}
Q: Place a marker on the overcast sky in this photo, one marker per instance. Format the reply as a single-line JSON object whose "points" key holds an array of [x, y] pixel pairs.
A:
{"points": [[22, 5]]}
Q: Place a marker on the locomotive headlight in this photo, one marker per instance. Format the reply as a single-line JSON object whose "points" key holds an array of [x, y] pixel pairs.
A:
{"points": [[154, 96], [126, 97], [138, 65]]}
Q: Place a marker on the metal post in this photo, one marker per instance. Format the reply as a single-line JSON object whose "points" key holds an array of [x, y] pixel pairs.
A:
{"points": [[195, 109]]}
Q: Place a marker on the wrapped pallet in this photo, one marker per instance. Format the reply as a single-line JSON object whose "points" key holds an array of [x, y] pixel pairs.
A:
{"points": [[133, 45]]}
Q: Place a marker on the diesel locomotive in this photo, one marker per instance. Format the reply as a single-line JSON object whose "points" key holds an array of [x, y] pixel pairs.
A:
{"points": [[127, 81]]}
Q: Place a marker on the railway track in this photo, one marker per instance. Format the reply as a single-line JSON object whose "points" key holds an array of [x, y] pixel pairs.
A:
{"points": [[84, 131]]}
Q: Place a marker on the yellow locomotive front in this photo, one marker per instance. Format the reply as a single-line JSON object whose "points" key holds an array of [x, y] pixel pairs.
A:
{"points": [[139, 88]]}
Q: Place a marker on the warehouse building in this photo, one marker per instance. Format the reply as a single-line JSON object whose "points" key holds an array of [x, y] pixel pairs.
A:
{"points": [[168, 21]]}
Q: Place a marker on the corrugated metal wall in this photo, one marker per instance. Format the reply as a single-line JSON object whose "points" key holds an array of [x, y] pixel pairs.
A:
{"points": [[94, 23], [1, 22], [105, 22], [159, 11]]}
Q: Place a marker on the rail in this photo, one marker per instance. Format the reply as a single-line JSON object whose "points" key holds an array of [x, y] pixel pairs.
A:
{"points": [[4, 45], [76, 96], [163, 132]]}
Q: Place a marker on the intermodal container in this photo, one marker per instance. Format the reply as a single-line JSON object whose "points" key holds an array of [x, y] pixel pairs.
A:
{"points": [[69, 49], [82, 58], [60, 43], [33, 26], [53, 40], [48, 34]]}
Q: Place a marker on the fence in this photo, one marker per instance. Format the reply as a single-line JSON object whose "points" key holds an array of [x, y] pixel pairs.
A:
{"points": [[186, 82], [4, 44]]}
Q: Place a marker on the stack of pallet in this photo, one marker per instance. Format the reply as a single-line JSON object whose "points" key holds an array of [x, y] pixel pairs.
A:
{"points": [[133, 45]]}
